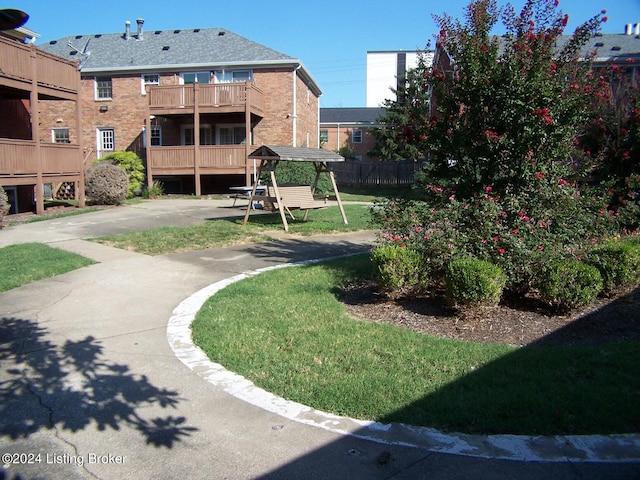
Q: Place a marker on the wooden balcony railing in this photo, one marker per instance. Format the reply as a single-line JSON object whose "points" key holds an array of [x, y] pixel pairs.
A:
{"points": [[167, 97], [183, 157], [19, 157], [51, 71]]}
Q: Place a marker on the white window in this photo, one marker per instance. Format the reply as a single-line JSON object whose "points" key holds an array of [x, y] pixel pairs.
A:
{"points": [[104, 88], [230, 135], [233, 76], [105, 141], [156, 136], [60, 135], [195, 77], [149, 79], [356, 136], [324, 136], [188, 137]]}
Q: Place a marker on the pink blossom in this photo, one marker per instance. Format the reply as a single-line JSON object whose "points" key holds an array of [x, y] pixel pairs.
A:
{"points": [[488, 189], [540, 247], [501, 251], [491, 134]]}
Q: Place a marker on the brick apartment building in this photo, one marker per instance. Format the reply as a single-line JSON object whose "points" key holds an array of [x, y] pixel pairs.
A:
{"points": [[348, 130], [193, 103]]}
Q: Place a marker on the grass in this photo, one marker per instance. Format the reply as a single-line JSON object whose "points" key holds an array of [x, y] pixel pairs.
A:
{"points": [[302, 345], [369, 194], [28, 262], [219, 233]]}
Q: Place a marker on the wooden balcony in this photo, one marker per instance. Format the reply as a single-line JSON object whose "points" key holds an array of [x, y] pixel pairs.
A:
{"points": [[206, 98], [55, 76], [35, 78], [22, 161], [212, 159]]}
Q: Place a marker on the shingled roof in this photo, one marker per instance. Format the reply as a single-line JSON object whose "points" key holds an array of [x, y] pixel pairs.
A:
{"points": [[351, 115], [162, 50], [295, 154]]}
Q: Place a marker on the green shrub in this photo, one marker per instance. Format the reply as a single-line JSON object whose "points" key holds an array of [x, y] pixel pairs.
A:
{"points": [[4, 206], [300, 173], [106, 184], [155, 190], [132, 165], [471, 281], [400, 271], [618, 263], [569, 283]]}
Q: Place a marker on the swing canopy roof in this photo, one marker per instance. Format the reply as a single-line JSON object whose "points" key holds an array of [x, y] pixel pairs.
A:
{"points": [[295, 154]]}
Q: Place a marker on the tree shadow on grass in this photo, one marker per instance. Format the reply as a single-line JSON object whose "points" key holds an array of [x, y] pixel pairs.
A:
{"points": [[45, 387], [583, 378]]}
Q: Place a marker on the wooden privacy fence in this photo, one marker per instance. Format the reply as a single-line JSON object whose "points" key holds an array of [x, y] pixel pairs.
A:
{"points": [[358, 173]]}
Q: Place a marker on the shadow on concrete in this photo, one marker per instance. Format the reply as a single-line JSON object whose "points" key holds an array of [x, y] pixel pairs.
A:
{"points": [[291, 250], [44, 386]]}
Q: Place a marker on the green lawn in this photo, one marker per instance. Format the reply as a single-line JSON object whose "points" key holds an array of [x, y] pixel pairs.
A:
{"points": [[28, 262], [224, 232], [301, 344]]}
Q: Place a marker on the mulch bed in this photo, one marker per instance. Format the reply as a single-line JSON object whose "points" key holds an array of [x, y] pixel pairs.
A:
{"points": [[515, 321]]}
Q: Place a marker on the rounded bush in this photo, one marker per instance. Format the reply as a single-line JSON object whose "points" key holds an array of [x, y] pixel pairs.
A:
{"points": [[618, 263], [106, 183], [400, 271], [132, 164], [568, 284], [4, 205], [471, 281]]}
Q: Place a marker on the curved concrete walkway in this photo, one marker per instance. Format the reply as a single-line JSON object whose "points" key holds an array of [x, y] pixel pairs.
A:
{"points": [[92, 389]]}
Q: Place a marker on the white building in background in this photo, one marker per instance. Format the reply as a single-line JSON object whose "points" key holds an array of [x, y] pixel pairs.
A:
{"points": [[384, 70]]}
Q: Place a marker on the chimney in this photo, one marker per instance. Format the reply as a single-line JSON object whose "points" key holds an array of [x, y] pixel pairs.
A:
{"points": [[127, 30], [636, 28], [140, 22], [628, 29]]}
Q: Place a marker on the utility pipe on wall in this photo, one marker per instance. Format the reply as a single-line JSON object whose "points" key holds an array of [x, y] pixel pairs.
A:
{"points": [[295, 105]]}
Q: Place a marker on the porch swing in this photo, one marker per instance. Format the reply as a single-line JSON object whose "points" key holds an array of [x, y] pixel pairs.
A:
{"points": [[286, 198]]}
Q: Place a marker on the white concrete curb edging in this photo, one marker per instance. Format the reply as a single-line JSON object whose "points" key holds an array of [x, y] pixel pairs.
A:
{"points": [[573, 448]]}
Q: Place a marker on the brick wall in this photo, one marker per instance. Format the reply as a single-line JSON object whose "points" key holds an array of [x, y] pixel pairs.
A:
{"points": [[307, 111], [341, 137], [127, 109], [57, 114], [125, 113], [276, 128]]}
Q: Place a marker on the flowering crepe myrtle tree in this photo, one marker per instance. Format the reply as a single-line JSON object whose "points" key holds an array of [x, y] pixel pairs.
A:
{"points": [[512, 105], [611, 142], [501, 135]]}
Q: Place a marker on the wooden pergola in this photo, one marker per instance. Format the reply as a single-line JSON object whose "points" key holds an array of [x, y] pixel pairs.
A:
{"points": [[288, 198]]}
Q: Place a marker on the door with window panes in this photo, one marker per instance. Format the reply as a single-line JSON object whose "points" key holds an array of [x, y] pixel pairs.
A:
{"points": [[105, 141]]}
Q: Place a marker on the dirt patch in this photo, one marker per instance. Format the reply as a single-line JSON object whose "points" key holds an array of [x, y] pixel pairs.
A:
{"points": [[515, 321]]}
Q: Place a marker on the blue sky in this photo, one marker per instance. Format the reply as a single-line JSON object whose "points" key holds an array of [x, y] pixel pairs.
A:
{"points": [[331, 37]]}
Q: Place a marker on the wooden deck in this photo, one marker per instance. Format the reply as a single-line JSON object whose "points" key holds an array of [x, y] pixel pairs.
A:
{"points": [[29, 80]]}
